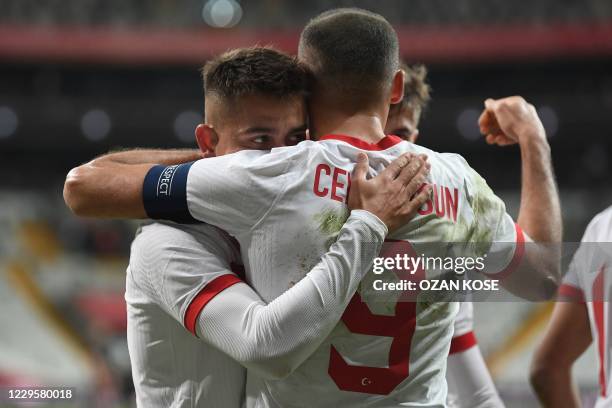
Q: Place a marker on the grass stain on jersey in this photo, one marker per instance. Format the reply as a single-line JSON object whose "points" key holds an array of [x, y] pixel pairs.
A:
{"points": [[331, 220], [487, 210]]}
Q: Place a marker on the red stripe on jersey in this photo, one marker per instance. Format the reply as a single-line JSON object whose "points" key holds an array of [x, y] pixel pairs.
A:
{"points": [[383, 144], [516, 258], [598, 312], [461, 343], [572, 293], [212, 289]]}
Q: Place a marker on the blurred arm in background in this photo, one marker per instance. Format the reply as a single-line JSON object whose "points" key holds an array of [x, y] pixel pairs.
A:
{"points": [[110, 186], [567, 337], [510, 121]]}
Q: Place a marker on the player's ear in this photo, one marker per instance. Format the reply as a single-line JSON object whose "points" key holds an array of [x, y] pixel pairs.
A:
{"points": [[207, 138], [397, 87]]}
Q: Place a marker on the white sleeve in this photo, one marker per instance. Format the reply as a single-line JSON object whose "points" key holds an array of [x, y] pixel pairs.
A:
{"points": [[492, 230], [469, 382], [175, 264], [232, 192], [276, 338], [464, 322], [582, 261], [570, 289]]}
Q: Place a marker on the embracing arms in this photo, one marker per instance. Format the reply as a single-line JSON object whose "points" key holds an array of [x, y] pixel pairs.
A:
{"points": [[110, 186], [273, 339]]}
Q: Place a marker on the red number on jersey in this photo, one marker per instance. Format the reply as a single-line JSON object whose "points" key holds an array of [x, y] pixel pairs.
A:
{"points": [[359, 319]]}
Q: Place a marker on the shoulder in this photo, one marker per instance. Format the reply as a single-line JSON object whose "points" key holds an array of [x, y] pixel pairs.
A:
{"points": [[446, 161], [160, 241], [603, 220], [599, 228], [262, 162]]}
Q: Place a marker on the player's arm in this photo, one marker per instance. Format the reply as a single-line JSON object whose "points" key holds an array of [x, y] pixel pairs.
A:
{"points": [[274, 339], [567, 337], [469, 382], [509, 121], [110, 186]]}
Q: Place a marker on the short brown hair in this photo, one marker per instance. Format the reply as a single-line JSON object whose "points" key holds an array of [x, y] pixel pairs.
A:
{"points": [[417, 92], [254, 70], [353, 53]]}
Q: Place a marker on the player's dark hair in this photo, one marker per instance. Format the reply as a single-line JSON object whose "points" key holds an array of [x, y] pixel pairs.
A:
{"points": [[417, 92], [352, 52], [254, 70]]}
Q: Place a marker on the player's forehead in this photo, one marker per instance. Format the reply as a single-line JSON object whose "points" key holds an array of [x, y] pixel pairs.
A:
{"points": [[260, 110]]}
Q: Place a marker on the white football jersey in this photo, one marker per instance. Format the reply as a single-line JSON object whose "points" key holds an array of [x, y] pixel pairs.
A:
{"points": [[469, 382], [463, 334], [588, 279], [171, 367], [285, 207]]}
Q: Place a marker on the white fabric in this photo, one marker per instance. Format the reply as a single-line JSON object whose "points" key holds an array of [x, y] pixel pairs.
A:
{"points": [[469, 382], [170, 366], [270, 203], [171, 265], [464, 322], [274, 339], [589, 271]]}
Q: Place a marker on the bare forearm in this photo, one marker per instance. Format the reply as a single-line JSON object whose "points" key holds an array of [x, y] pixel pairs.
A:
{"points": [[110, 186], [106, 190], [540, 211], [540, 217], [556, 389], [567, 337], [151, 156]]}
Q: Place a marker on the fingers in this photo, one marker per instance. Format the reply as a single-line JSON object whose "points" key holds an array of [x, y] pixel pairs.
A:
{"points": [[487, 122], [408, 173], [483, 121], [394, 169], [361, 168], [490, 104], [412, 206], [499, 139], [417, 183]]}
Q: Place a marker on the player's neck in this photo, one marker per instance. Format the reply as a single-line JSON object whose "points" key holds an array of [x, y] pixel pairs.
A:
{"points": [[365, 126]]}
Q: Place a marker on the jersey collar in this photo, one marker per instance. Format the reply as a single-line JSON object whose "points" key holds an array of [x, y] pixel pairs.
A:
{"points": [[383, 144]]}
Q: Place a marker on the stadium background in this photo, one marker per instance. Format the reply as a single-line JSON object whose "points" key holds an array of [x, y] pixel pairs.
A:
{"points": [[80, 77]]}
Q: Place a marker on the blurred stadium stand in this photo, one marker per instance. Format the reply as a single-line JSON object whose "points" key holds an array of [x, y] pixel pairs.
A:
{"points": [[80, 77], [279, 13]]}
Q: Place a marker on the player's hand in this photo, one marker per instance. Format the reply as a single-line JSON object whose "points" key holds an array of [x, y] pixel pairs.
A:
{"points": [[509, 121], [396, 193]]}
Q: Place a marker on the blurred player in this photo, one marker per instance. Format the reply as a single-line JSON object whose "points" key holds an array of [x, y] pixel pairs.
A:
{"points": [[583, 314], [254, 100], [404, 117], [284, 206], [469, 383]]}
